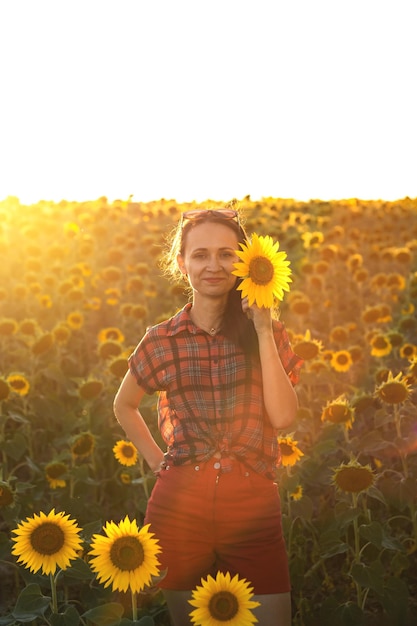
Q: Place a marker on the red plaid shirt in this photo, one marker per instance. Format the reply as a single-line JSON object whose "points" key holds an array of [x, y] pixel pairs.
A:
{"points": [[210, 394]]}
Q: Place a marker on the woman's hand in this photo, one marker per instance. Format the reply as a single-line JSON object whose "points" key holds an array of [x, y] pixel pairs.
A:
{"points": [[260, 316]]}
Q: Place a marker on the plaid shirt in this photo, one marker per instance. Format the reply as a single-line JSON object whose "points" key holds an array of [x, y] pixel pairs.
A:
{"points": [[210, 396]]}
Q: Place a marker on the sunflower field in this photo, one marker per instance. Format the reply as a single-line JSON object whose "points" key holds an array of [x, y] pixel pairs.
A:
{"points": [[80, 282]]}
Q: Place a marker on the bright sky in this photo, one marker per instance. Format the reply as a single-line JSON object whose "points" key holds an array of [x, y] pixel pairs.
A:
{"points": [[198, 99]]}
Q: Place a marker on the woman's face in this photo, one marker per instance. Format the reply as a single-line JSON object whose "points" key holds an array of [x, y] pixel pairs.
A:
{"points": [[208, 258]]}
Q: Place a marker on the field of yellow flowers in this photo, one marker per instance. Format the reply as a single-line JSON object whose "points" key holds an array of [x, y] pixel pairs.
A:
{"points": [[79, 284]]}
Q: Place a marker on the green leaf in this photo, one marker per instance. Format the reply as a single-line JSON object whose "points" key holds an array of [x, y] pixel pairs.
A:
{"points": [[4, 545], [346, 514], [15, 447], [30, 604], [105, 615], [70, 617], [8, 620], [374, 492], [349, 614], [369, 577], [394, 599], [79, 570], [303, 508], [331, 544], [373, 532]]}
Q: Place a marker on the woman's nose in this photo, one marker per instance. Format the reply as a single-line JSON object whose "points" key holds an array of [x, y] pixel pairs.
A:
{"points": [[213, 263]]}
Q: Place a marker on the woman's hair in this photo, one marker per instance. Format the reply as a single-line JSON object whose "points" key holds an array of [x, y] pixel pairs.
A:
{"points": [[236, 326]]}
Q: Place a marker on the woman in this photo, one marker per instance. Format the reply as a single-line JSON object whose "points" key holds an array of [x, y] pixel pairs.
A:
{"points": [[225, 373]]}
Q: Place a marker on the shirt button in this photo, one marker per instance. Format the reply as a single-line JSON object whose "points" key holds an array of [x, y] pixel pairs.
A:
{"points": [[217, 465], [197, 467]]}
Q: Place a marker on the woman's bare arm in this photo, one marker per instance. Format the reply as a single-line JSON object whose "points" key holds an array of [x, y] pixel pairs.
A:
{"points": [[127, 413]]}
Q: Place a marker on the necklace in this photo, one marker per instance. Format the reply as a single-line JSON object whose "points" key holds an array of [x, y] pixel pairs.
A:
{"points": [[211, 331]]}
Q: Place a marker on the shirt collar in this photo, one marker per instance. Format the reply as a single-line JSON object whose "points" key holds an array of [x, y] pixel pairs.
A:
{"points": [[182, 322]]}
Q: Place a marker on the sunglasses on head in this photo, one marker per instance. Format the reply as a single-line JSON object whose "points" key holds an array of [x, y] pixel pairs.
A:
{"points": [[200, 214]]}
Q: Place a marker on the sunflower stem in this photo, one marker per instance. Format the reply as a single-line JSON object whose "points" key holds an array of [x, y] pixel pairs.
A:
{"points": [[134, 606], [356, 529], [144, 476], [397, 418], [54, 605]]}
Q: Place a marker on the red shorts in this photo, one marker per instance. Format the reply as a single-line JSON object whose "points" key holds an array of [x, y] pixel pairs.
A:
{"points": [[208, 521]]}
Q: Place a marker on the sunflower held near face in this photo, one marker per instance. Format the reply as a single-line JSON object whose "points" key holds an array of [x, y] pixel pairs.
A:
{"points": [[126, 557], [264, 270], [223, 600], [47, 542]]}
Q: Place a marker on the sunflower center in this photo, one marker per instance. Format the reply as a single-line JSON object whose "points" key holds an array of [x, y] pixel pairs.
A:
{"points": [[261, 270], [354, 479], [338, 413], [394, 393], [48, 538], [286, 449], [128, 451], [127, 553], [223, 606]]}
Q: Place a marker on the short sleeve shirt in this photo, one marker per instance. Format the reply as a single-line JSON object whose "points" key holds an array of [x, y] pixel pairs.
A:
{"points": [[210, 393]]}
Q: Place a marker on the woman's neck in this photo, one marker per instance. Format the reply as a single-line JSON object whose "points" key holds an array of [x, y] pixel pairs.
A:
{"points": [[208, 318]]}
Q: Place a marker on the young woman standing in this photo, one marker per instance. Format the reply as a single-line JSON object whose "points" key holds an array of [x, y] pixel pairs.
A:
{"points": [[225, 374]]}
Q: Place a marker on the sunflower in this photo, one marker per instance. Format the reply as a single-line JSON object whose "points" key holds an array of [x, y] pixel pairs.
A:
{"points": [[83, 446], [75, 320], [341, 361], [112, 333], [300, 306], [264, 270], [55, 474], [8, 326], [4, 389], [408, 351], [125, 478], [394, 390], [112, 295], [290, 453], [90, 389], [111, 274], [29, 327], [109, 349], [19, 384], [223, 600], [47, 542], [380, 345], [6, 494], [118, 367], [353, 477], [306, 347], [125, 452], [339, 411], [297, 493], [126, 557], [61, 333], [312, 239]]}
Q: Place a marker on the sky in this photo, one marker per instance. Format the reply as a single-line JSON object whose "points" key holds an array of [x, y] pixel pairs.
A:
{"points": [[207, 99]]}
